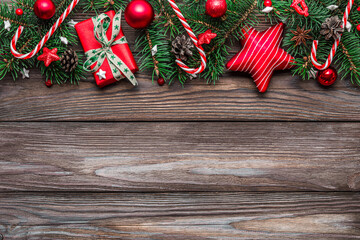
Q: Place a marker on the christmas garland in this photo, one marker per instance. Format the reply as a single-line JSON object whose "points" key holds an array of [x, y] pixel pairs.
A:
{"points": [[166, 44]]}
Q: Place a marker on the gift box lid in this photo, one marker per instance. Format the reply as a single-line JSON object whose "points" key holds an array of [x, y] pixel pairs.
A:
{"points": [[85, 30]]}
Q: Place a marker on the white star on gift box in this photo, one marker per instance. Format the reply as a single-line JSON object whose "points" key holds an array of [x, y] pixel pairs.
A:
{"points": [[101, 74]]}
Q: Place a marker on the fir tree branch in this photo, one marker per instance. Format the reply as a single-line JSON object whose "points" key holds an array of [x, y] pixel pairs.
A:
{"points": [[346, 52], [109, 3], [61, 4], [204, 23], [9, 63], [166, 14], [24, 5], [155, 62], [4, 18], [236, 25]]}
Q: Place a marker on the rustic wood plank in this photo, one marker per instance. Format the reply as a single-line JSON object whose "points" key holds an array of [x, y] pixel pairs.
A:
{"points": [[233, 98], [179, 156], [181, 216]]}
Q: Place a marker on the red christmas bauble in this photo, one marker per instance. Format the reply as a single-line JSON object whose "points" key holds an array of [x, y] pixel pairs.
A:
{"points": [[327, 77], [161, 81], [358, 27], [19, 12], [44, 9], [216, 8], [267, 3], [139, 14], [48, 83]]}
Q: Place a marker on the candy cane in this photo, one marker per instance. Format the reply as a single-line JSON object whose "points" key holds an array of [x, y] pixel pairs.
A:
{"points": [[334, 47], [45, 38], [195, 41]]}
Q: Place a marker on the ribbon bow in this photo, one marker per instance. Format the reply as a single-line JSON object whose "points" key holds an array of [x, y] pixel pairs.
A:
{"points": [[98, 56]]}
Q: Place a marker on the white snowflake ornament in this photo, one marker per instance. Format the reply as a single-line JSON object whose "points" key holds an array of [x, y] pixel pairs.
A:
{"points": [[25, 73], [64, 40], [7, 25], [267, 9], [332, 7], [154, 50], [72, 23]]}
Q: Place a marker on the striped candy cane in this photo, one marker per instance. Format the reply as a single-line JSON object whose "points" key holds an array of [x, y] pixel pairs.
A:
{"points": [[334, 47], [195, 41], [45, 38]]}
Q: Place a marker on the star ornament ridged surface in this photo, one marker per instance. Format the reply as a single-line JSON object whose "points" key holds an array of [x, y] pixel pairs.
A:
{"points": [[261, 55], [49, 56]]}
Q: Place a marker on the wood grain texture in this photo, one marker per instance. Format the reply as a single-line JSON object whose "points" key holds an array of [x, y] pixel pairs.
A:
{"points": [[181, 216], [234, 98], [179, 156]]}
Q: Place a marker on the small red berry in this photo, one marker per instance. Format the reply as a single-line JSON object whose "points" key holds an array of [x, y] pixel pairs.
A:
{"points": [[161, 81], [48, 83], [19, 12], [358, 27], [267, 3]]}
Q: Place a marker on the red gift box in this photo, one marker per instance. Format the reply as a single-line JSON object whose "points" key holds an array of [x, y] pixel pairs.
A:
{"points": [[85, 31]]}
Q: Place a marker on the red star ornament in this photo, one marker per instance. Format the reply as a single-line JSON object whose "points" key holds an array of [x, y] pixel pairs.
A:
{"points": [[261, 55], [49, 56], [206, 37]]}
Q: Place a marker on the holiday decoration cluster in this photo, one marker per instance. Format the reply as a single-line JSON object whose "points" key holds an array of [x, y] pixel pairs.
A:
{"points": [[317, 39]]}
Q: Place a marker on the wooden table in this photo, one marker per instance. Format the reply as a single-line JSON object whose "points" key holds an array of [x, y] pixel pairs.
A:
{"points": [[193, 162]]}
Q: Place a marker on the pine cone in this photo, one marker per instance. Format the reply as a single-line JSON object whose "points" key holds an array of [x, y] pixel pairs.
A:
{"points": [[181, 47], [69, 60], [331, 28]]}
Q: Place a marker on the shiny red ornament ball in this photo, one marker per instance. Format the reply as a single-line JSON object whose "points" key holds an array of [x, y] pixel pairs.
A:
{"points": [[267, 3], [48, 83], [216, 8], [19, 12], [358, 9], [327, 77], [139, 14], [358, 27], [161, 81], [44, 9]]}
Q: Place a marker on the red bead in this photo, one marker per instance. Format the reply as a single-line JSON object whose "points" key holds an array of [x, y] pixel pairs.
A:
{"points": [[139, 14], [161, 81], [358, 27], [267, 3], [44, 9], [19, 12], [48, 83], [216, 8], [327, 77]]}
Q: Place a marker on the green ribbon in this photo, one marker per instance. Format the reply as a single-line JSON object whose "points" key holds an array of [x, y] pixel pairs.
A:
{"points": [[98, 56]]}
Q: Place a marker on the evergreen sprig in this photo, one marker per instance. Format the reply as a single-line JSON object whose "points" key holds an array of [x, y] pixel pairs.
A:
{"points": [[35, 29], [167, 27], [347, 57]]}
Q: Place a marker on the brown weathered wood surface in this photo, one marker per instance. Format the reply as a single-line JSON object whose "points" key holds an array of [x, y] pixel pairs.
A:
{"points": [[193, 162], [223, 156], [180, 216], [233, 98]]}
